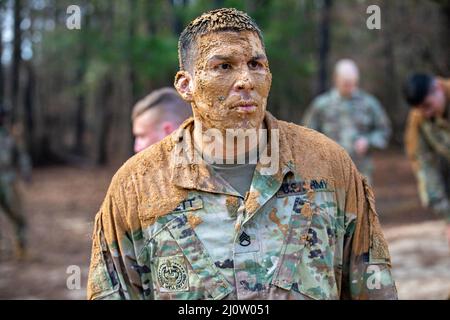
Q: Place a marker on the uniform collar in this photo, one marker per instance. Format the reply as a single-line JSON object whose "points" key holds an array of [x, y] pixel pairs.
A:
{"points": [[336, 95], [197, 175]]}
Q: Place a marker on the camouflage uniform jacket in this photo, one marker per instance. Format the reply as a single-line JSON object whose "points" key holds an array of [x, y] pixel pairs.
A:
{"points": [[310, 231], [345, 120], [427, 144]]}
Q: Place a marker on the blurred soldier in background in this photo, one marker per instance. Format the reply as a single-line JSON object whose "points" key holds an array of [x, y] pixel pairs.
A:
{"points": [[158, 115], [351, 117], [427, 140], [12, 158]]}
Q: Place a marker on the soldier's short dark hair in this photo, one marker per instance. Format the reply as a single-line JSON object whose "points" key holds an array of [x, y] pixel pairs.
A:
{"points": [[416, 88], [225, 19], [167, 99]]}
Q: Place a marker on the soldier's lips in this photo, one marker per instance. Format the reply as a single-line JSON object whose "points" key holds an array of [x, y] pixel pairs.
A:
{"points": [[245, 107]]}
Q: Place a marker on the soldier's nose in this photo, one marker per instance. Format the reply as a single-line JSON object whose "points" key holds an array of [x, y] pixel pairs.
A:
{"points": [[244, 82]]}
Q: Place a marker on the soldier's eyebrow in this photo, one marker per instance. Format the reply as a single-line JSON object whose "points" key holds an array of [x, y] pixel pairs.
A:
{"points": [[220, 57], [260, 56]]}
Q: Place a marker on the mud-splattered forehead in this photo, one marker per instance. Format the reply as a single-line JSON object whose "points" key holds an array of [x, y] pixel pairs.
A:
{"points": [[227, 19]]}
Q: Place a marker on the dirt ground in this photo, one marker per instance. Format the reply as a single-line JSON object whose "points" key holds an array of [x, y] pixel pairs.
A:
{"points": [[61, 204]]}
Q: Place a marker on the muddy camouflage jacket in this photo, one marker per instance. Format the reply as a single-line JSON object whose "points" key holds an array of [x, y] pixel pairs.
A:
{"points": [[310, 231], [428, 147], [346, 120]]}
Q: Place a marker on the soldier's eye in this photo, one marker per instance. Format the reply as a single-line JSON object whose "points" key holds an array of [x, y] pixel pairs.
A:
{"points": [[253, 64], [225, 66]]}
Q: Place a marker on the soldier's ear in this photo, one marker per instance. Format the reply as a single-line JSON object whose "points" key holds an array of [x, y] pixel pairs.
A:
{"points": [[184, 85]]}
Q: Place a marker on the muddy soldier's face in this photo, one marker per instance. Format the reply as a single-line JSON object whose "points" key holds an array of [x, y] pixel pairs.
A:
{"points": [[231, 80]]}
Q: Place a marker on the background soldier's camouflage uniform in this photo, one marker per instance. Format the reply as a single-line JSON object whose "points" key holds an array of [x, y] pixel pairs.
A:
{"points": [[428, 146], [310, 231], [345, 120], [12, 158]]}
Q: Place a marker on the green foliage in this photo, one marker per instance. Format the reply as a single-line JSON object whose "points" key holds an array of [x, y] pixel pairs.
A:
{"points": [[155, 56]]}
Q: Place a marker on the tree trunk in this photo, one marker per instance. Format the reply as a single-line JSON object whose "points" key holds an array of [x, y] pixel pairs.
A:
{"points": [[104, 123], [104, 112], [79, 146], [324, 45], [446, 12], [391, 94], [132, 88], [29, 107], [16, 62], [2, 90]]}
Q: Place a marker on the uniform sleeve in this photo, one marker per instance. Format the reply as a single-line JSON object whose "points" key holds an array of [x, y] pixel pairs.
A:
{"points": [[379, 136], [438, 137], [312, 116], [113, 273], [366, 271], [426, 167]]}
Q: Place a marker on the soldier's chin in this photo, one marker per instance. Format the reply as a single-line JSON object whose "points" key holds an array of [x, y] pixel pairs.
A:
{"points": [[248, 123]]}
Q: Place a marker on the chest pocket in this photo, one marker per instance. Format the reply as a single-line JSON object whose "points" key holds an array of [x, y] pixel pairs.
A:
{"points": [[306, 265], [180, 266], [330, 126], [363, 117]]}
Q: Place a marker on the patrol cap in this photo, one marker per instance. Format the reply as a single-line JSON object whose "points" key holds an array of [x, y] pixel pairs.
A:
{"points": [[416, 88]]}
